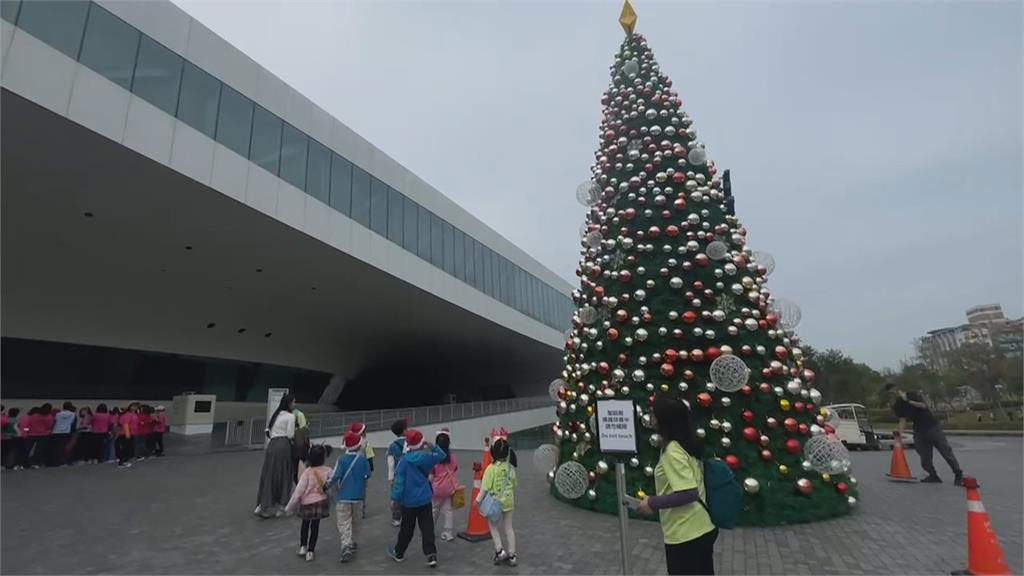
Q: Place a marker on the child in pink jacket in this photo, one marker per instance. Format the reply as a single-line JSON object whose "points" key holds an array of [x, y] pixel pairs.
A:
{"points": [[310, 500], [444, 484]]}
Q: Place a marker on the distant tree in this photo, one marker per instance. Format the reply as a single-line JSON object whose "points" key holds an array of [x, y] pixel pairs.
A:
{"points": [[983, 368], [840, 378]]}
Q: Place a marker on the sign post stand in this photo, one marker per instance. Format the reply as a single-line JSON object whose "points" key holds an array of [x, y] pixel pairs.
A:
{"points": [[620, 490], [616, 434]]}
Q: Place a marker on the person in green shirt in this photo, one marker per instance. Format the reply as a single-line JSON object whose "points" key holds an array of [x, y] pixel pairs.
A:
{"points": [[680, 499], [500, 482]]}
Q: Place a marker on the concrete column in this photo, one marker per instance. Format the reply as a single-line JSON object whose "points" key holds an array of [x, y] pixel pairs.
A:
{"points": [[332, 391]]}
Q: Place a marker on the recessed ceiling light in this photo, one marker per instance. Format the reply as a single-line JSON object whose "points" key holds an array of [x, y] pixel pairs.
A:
{"points": [[259, 269], [241, 330], [188, 247], [268, 334], [211, 324], [88, 214], [313, 288]]}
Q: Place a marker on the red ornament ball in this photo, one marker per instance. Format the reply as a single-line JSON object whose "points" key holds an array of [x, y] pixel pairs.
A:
{"points": [[602, 367], [781, 352], [667, 370], [803, 428], [772, 422], [613, 334], [712, 352], [764, 387], [748, 416], [841, 487], [689, 316], [671, 356], [750, 434], [804, 486], [704, 399], [746, 390], [790, 424], [798, 406], [792, 446], [732, 461], [766, 455], [697, 355]]}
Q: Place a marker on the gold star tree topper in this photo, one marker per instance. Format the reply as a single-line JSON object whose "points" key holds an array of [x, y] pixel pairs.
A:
{"points": [[628, 18]]}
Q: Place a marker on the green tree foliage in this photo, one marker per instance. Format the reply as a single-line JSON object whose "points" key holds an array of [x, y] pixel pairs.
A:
{"points": [[842, 379]]}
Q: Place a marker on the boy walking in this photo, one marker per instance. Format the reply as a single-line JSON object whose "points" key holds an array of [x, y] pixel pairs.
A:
{"points": [[350, 474], [394, 455], [412, 491]]}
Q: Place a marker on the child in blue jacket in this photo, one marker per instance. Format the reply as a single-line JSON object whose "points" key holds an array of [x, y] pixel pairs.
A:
{"points": [[412, 491], [350, 475]]}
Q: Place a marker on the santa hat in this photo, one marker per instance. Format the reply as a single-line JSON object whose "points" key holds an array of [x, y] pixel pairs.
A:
{"points": [[353, 441], [357, 427], [444, 431], [413, 439]]}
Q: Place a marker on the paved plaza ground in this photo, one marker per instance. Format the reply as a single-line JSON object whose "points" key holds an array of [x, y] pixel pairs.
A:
{"points": [[193, 514]]}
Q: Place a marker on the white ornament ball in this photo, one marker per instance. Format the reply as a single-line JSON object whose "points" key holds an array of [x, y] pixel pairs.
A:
{"points": [[751, 486]]}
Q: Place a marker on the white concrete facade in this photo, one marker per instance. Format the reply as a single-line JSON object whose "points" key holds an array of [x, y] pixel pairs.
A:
{"points": [[47, 78]]}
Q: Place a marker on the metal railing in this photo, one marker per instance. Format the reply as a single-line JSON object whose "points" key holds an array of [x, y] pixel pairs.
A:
{"points": [[250, 432]]}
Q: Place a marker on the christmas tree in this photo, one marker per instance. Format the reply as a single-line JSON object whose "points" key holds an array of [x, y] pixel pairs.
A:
{"points": [[673, 301]]}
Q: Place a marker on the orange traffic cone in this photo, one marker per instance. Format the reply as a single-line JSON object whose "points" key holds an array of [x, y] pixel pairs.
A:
{"points": [[984, 556], [476, 527], [898, 468], [487, 453]]}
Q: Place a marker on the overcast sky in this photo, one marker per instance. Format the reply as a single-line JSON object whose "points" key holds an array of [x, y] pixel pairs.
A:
{"points": [[875, 147]]}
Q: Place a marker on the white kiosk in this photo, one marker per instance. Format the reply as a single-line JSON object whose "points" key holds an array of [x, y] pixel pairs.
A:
{"points": [[193, 413]]}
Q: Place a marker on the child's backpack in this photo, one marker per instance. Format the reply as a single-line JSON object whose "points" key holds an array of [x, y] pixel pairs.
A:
{"points": [[723, 493]]}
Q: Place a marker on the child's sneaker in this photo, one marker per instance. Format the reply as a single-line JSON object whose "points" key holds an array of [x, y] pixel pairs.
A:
{"points": [[432, 560], [302, 551], [394, 555], [512, 560], [309, 556], [447, 536], [347, 553], [396, 523], [499, 557]]}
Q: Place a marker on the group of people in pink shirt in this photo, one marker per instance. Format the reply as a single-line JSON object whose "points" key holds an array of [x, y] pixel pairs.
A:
{"points": [[44, 436]]}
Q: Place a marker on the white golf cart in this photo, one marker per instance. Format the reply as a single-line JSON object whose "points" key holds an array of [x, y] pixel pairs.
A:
{"points": [[853, 427]]}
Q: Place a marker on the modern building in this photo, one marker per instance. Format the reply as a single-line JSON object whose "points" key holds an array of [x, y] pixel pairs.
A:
{"points": [[986, 324], [177, 218], [985, 314]]}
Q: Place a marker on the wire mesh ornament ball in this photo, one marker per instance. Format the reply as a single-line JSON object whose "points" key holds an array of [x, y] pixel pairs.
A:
{"points": [[571, 480], [827, 454], [554, 387], [729, 373], [788, 312], [631, 67], [589, 314], [588, 193], [765, 259], [593, 239], [545, 458], [697, 156], [717, 250]]}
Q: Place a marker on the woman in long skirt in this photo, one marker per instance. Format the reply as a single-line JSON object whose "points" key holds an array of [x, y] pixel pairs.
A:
{"points": [[278, 473]]}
